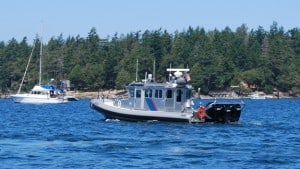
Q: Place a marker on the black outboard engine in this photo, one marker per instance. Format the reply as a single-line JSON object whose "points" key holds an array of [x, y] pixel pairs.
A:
{"points": [[223, 112]]}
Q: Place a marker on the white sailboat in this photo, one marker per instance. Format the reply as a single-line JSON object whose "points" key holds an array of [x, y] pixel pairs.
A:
{"points": [[40, 93]]}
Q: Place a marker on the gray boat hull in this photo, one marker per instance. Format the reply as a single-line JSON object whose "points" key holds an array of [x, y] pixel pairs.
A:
{"points": [[114, 112]]}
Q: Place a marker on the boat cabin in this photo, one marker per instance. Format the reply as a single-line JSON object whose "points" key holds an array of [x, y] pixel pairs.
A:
{"points": [[174, 95], [48, 90]]}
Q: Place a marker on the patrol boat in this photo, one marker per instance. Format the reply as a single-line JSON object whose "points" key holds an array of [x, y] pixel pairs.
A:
{"points": [[170, 101]]}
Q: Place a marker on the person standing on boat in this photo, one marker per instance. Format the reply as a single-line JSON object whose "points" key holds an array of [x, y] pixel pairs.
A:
{"points": [[187, 77]]}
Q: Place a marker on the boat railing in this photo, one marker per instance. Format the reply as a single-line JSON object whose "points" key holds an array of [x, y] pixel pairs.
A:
{"points": [[156, 104], [153, 104], [122, 102]]}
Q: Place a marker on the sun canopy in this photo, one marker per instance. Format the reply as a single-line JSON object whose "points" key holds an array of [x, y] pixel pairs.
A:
{"points": [[43, 88]]}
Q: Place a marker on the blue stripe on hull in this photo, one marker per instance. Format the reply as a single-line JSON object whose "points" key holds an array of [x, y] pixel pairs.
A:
{"points": [[151, 104]]}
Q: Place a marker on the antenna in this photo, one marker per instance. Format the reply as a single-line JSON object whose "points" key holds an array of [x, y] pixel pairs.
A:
{"points": [[137, 68], [170, 72], [154, 70]]}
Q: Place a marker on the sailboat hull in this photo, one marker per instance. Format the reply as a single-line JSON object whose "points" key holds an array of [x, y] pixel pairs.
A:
{"points": [[36, 99]]}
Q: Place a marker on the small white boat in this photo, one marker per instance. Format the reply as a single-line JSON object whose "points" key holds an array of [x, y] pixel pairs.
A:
{"points": [[258, 96], [171, 101]]}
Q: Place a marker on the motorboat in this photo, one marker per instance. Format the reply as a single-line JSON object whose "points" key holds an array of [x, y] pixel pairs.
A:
{"points": [[171, 101]]}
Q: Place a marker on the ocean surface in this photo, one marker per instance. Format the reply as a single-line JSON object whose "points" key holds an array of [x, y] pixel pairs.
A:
{"points": [[74, 136]]}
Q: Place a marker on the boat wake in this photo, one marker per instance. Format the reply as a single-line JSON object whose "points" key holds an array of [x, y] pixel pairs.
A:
{"points": [[112, 120]]}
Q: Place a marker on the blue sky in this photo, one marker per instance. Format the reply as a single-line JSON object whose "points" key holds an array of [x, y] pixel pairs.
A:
{"points": [[20, 18]]}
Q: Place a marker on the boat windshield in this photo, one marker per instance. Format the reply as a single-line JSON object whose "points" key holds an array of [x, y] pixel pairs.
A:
{"points": [[188, 94], [131, 92], [138, 94], [158, 93], [169, 93], [148, 93], [178, 96]]}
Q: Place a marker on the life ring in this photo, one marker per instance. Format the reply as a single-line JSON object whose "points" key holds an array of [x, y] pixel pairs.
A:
{"points": [[201, 113]]}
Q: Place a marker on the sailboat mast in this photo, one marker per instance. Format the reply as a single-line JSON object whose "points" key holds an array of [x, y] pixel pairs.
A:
{"points": [[40, 72]]}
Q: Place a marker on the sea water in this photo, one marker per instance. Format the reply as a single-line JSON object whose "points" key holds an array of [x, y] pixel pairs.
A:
{"points": [[72, 135]]}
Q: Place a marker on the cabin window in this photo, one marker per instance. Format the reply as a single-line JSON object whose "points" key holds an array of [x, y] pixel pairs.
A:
{"points": [[131, 93], [138, 94], [178, 95], [158, 93], [169, 93], [188, 94], [148, 93]]}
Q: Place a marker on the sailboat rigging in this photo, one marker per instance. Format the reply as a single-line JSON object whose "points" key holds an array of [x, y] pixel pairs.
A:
{"points": [[19, 90], [40, 93]]}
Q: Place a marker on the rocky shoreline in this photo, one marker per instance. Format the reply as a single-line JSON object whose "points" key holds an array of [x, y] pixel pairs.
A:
{"points": [[93, 94]]}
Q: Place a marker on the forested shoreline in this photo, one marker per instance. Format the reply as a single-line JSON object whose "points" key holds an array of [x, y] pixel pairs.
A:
{"points": [[264, 60]]}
